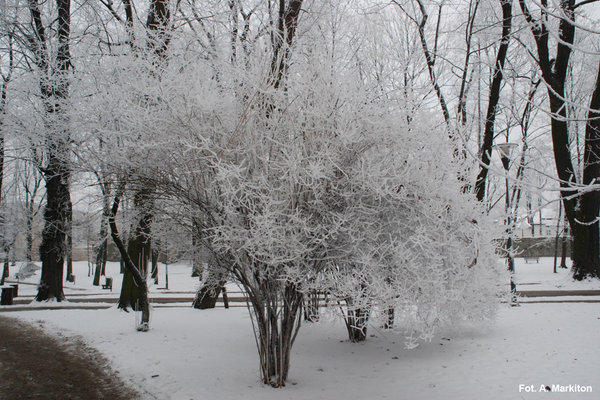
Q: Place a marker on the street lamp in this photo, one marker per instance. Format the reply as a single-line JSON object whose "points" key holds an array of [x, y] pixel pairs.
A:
{"points": [[505, 152]]}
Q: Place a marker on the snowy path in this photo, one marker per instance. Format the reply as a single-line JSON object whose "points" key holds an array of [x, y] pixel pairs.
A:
{"points": [[35, 366]]}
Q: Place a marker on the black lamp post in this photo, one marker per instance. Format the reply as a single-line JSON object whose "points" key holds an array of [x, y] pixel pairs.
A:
{"points": [[505, 151]]}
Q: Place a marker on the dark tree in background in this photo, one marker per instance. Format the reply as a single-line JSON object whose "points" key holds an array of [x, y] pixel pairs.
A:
{"points": [[494, 97], [581, 205], [139, 247], [56, 170], [6, 77]]}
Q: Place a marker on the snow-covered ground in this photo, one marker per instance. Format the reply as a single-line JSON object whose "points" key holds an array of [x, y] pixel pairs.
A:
{"points": [[210, 354], [541, 276]]}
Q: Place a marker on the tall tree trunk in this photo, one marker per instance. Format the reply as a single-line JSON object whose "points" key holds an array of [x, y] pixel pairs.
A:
{"points": [[139, 245], [69, 250], [29, 232], [54, 87], [3, 94], [52, 249], [581, 205], [154, 269], [99, 261], [197, 262], [140, 281], [564, 241], [139, 251], [586, 246], [101, 251], [494, 97]]}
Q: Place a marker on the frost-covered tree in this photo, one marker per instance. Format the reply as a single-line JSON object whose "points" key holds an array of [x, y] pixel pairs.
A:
{"points": [[556, 25], [298, 171], [323, 184], [52, 70]]}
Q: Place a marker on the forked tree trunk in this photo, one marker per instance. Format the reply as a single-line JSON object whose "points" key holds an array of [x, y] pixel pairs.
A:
{"points": [[494, 98], [138, 249], [140, 281], [277, 313], [357, 320], [139, 252]]}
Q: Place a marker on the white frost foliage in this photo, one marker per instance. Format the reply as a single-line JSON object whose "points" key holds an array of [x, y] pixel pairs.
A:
{"points": [[328, 187], [408, 238]]}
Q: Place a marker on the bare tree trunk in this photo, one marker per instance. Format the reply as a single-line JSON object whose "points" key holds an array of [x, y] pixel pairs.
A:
{"points": [[101, 252], [581, 206], [208, 294], [197, 262], [52, 249], [564, 240], [277, 316], [139, 252], [154, 264], [6, 78], [29, 232], [586, 245], [140, 281], [69, 254], [139, 244], [357, 320], [57, 172], [494, 98]]}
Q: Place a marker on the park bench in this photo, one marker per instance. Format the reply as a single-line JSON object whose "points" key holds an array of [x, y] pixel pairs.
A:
{"points": [[532, 259], [107, 284]]}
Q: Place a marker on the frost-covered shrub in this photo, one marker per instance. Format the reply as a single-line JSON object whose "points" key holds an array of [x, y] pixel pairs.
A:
{"points": [[326, 185], [327, 188]]}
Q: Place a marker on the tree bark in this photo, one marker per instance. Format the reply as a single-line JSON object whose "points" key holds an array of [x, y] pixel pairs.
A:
{"points": [[101, 251], [154, 264], [278, 315], [29, 232], [52, 249], [586, 251], [69, 249], [139, 252], [581, 205], [207, 295], [140, 281], [54, 87], [494, 97], [197, 262], [356, 324], [139, 244], [5, 269]]}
